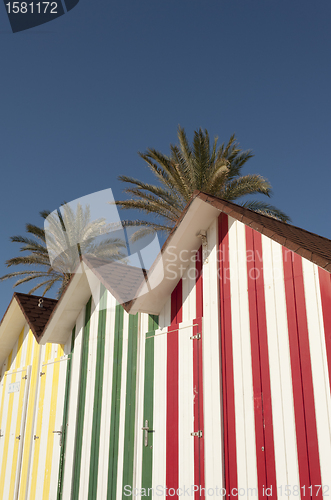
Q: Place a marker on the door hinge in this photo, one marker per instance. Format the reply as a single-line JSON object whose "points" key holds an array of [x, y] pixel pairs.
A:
{"points": [[25, 378], [1, 435], [60, 433], [196, 337], [197, 434]]}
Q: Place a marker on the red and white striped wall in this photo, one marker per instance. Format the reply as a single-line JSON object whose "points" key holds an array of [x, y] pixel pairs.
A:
{"points": [[275, 336]]}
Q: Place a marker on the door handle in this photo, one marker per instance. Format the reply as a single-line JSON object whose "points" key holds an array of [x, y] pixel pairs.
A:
{"points": [[146, 429]]}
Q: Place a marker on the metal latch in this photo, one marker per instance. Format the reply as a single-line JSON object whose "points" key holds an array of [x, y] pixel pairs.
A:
{"points": [[25, 378], [60, 433], [197, 434], [35, 437], [147, 430], [18, 437], [1, 435], [196, 337], [42, 373]]}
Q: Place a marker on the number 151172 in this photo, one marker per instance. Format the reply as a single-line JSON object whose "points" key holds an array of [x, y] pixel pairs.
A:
{"points": [[33, 8]]}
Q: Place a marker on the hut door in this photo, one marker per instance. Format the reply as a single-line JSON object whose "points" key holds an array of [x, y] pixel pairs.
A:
{"points": [[172, 425], [12, 427], [48, 432]]}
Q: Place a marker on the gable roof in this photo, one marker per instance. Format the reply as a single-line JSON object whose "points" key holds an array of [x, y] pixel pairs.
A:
{"points": [[153, 288], [198, 216], [23, 308]]}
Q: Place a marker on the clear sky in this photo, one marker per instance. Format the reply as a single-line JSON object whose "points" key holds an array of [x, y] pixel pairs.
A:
{"points": [[82, 94]]}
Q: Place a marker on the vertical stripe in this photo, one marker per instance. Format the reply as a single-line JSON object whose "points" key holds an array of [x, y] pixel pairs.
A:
{"points": [[199, 284], [106, 399], [172, 390], [38, 429], [65, 419], [213, 440], [115, 405], [199, 459], [265, 452], [51, 428], [81, 403], [147, 459], [159, 401], [68, 472], [30, 420], [229, 419], [287, 471], [325, 289], [305, 419], [320, 375], [95, 434], [130, 405]]}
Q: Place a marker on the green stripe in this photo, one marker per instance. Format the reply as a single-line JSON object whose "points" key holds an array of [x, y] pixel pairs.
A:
{"points": [[115, 404], [97, 406], [81, 403], [147, 465], [65, 418], [130, 404]]}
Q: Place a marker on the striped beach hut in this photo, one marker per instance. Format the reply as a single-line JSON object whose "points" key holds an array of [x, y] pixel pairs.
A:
{"points": [[208, 376]]}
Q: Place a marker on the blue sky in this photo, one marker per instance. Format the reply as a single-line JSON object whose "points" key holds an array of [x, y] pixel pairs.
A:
{"points": [[82, 94]]}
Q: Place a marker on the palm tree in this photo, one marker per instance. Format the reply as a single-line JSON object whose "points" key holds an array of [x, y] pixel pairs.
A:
{"points": [[200, 166], [55, 252]]}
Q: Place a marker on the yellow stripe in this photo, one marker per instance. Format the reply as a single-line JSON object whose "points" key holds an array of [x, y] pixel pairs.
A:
{"points": [[29, 421], [4, 387], [7, 435], [17, 432], [48, 352], [29, 348], [60, 351], [38, 433], [51, 424], [19, 350]]}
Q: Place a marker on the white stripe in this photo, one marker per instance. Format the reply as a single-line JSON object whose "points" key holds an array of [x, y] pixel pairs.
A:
{"points": [[89, 401], [286, 459], [165, 315], [43, 438], [159, 411], [319, 367], [137, 469], [211, 367], [185, 408], [58, 427], [73, 402], [189, 293], [119, 490], [106, 399], [242, 360]]}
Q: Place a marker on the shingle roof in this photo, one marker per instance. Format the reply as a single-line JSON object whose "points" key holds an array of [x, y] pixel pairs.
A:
{"points": [[120, 279], [312, 247], [35, 314]]}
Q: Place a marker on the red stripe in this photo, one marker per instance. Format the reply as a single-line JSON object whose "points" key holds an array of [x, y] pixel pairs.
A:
{"points": [[302, 382], [199, 287], [229, 423], [172, 448], [325, 287], [265, 452], [199, 456]]}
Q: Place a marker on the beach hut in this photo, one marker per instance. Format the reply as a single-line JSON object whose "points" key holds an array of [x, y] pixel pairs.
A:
{"points": [[208, 376]]}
